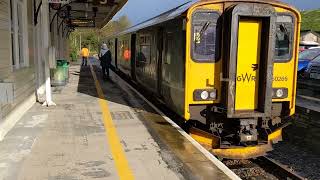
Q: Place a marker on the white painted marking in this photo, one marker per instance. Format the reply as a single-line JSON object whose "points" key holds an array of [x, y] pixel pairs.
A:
{"points": [[308, 103], [206, 153], [309, 98], [19, 155], [3, 165], [36, 120]]}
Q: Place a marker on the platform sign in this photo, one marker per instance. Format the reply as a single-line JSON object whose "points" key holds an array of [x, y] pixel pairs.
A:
{"points": [[56, 4], [59, 1], [102, 2]]}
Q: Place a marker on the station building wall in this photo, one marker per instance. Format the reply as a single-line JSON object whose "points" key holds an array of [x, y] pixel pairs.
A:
{"points": [[28, 50], [24, 56], [16, 56]]}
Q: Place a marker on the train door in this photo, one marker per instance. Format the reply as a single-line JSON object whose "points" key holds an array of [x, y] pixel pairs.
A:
{"points": [[133, 56], [250, 60], [160, 44], [249, 48]]}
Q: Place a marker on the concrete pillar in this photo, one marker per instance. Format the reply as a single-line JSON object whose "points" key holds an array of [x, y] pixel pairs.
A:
{"points": [[43, 43], [40, 92], [47, 45]]}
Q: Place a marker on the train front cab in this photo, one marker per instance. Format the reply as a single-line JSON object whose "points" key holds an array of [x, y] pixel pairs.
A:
{"points": [[241, 74]]}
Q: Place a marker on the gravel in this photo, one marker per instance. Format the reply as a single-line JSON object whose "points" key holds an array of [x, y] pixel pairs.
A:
{"points": [[304, 162]]}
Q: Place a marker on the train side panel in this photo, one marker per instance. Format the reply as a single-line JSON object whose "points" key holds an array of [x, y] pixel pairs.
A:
{"points": [[172, 66], [112, 46], [160, 62], [146, 61]]}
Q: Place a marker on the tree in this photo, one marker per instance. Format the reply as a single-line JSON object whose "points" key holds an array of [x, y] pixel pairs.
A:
{"points": [[114, 27], [92, 37]]}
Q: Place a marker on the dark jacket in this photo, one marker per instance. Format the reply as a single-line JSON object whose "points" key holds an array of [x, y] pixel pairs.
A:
{"points": [[105, 60]]}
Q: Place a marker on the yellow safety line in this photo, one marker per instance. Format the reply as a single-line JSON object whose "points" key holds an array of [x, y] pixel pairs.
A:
{"points": [[117, 152]]}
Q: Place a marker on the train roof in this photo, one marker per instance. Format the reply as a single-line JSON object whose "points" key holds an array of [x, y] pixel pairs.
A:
{"points": [[179, 10], [166, 16]]}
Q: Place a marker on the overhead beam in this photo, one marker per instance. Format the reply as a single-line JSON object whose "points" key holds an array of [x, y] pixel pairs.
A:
{"points": [[99, 18]]}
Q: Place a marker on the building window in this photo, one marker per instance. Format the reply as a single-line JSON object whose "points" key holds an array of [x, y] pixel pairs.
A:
{"points": [[18, 33]]}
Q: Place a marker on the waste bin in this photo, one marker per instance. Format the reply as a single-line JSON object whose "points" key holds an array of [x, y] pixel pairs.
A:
{"points": [[60, 75], [64, 64]]}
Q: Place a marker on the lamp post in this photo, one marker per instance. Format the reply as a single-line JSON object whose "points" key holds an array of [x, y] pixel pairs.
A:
{"points": [[80, 41]]}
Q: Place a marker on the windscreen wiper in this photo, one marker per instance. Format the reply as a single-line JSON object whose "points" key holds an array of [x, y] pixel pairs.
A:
{"points": [[204, 28]]}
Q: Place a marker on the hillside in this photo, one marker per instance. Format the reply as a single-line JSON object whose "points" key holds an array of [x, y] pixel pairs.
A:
{"points": [[311, 20]]}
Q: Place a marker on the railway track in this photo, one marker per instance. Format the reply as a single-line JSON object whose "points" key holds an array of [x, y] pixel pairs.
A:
{"points": [[261, 168], [258, 168]]}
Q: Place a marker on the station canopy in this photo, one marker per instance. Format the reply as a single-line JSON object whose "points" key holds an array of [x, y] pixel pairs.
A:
{"points": [[86, 13]]}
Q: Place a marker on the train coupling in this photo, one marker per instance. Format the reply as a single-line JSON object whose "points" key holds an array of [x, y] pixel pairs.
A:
{"points": [[213, 144], [248, 130]]}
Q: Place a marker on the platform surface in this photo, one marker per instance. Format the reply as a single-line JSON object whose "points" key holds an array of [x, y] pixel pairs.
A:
{"points": [[87, 136]]}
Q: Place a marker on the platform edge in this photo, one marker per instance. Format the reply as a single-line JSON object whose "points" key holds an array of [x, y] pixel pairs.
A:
{"points": [[15, 115], [207, 154]]}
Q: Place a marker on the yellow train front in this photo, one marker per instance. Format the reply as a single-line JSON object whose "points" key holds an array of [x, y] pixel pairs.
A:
{"points": [[227, 67]]}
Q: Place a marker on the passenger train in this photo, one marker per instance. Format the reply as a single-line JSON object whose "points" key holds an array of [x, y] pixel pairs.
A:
{"points": [[227, 66]]}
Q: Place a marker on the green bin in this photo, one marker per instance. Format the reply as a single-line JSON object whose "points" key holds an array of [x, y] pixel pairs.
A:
{"points": [[60, 75], [64, 64]]}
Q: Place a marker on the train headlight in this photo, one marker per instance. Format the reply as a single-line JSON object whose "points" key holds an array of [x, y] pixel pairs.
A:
{"points": [[205, 95], [280, 93], [213, 94]]}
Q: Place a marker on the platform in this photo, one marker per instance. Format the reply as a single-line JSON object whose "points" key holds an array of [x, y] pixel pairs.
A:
{"points": [[100, 130]]}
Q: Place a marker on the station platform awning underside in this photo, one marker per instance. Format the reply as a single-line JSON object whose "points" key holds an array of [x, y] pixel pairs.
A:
{"points": [[85, 13]]}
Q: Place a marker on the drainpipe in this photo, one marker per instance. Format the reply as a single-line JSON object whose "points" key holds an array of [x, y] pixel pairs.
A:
{"points": [[80, 46]]}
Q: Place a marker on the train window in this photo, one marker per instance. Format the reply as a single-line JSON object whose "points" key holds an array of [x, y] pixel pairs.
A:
{"points": [[119, 46], [284, 38], [110, 45], [169, 48], [144, 54], [204, 36], [123, 48]]}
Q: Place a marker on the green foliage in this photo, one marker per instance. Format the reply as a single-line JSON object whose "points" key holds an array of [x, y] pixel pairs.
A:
{"points": [[88, 37], [93, 37], [73, 55], [311, 20], [114, 27]]}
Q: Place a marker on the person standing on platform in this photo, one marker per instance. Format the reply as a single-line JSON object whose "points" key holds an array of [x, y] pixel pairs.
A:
{"points": [[105, 60], [85, 55]]}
